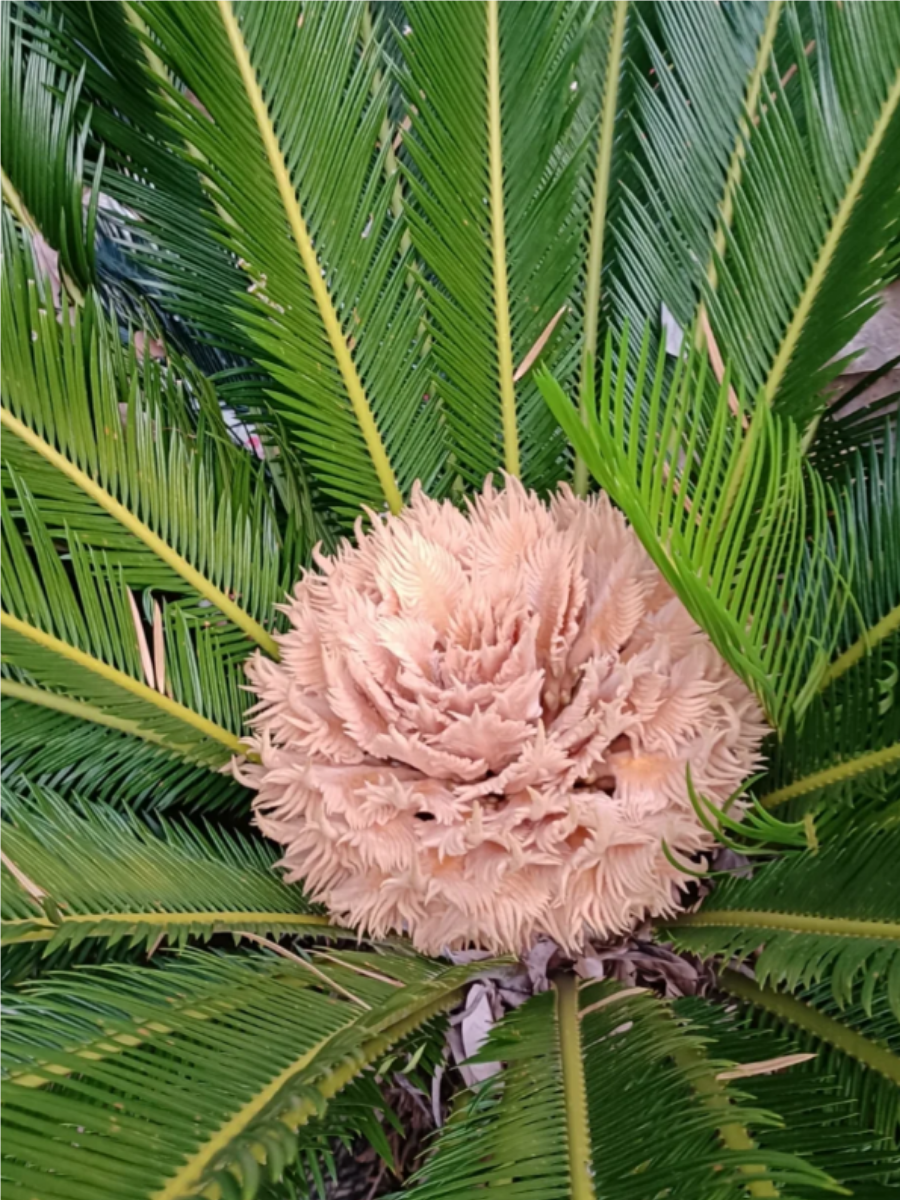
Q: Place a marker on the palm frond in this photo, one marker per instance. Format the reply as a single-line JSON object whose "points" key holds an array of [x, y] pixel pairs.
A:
{"points": [[855, 423], [73, 748], [120, 476], [93, 439], [846, 750], [729, 511], [858, 1049], [818, 1121], [44, 137], [832, 913], [605, 63], [74, 871], [813, 200], [554, 1122], [872, 510], [193, 1078], [496, 214], [332, 321], [97, 659]]}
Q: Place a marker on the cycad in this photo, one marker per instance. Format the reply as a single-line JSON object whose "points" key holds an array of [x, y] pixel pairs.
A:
{"points": [[384, 244]]}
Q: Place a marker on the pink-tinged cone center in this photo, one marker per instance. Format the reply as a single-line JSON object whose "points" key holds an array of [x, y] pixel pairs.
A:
{"points": [[481, 722]]}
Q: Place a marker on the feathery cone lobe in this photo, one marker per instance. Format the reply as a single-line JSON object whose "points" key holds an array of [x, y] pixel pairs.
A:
{"points": [[480, 726]]}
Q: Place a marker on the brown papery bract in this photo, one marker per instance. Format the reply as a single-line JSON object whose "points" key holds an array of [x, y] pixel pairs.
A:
{"points": [[481, 723]]}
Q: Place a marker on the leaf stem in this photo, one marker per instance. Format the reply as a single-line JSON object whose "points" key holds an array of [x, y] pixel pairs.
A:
{"points": [[15, 202], [331, 1080], [739, 153], [317, 285], [599, 206], [574, 1090], [732, 1134], [505, 365]]}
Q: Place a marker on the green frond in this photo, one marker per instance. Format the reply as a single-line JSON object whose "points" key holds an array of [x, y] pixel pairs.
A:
{"points": [[70, 623], [728, 510], [496, 215], [77, 871], [89, 430], [285, 156], [657, 1116], [847, 426], [871, 512], [90, 752], [191, 1079], [859, 1050], [45, 168], [841, 757], [817, 1120], [806, 240], [711, 51], [118, 477], [832, 913], [610, 63]]}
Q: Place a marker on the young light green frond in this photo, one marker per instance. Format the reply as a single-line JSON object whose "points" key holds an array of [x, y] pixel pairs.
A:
{"points": [[76, 748], [231, 1057], [664, 1131], [44, 138], [491, 92], [729, 511], [860, 1051], [103, 873], [832, 913], [333, 320]]}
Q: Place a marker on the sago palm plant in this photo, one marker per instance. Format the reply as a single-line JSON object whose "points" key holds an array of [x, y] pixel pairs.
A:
{"points": [[585, 778]]}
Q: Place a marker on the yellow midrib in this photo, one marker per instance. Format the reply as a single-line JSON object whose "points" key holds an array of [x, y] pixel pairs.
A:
{"points": [[83, 711], [831, 243], [119, 679], [111, 1043], [739, 153], [880, 630], [599, 206], [735, 169], [196, 918], [873, 760], [503, 327], [318, 287], [42, 929], [144, 533], [790, 922]]}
